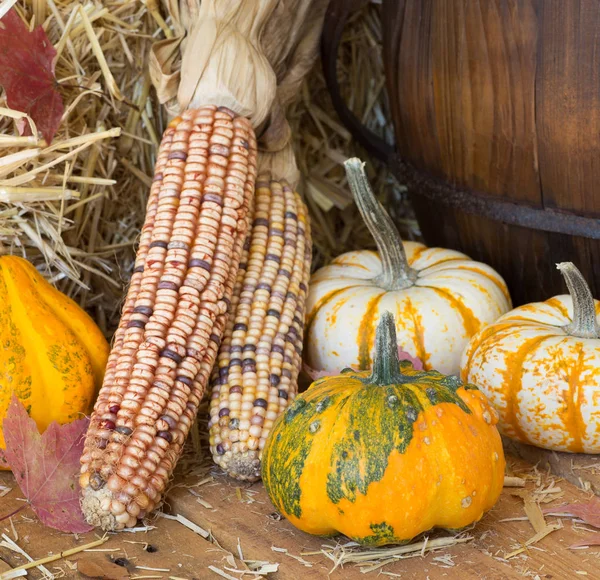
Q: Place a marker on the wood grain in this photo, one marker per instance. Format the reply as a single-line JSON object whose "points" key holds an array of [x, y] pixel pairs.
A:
{"points": [[173, 547], [502, 98], [568, 105], [481, 559], [462, 86]]}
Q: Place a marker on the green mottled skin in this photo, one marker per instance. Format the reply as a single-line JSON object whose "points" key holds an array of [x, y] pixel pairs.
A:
{"points": [[380, 419], [370, 436], [300, 414], [382, 533]]}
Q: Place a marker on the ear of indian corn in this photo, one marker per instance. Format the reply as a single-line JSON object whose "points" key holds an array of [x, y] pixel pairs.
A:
{"points": [[255, 378], [174, 314]]}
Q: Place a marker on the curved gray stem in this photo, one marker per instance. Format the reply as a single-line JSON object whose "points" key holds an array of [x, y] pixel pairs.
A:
{"points": [[584, 323], [396, 274]]}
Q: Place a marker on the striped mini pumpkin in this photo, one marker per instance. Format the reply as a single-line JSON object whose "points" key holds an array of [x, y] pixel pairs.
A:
{"points": [[539, 365], [440, 298]]}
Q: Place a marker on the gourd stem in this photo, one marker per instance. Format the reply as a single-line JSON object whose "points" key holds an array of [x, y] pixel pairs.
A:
{"points": [[386, 364], [584, 323], [396, 273]]}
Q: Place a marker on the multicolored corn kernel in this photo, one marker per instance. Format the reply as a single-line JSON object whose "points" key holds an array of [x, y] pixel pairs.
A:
{"points": [[255, 378], [191, 244]]}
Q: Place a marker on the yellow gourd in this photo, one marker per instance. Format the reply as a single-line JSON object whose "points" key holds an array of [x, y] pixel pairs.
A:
{"points": [[52, 355]]}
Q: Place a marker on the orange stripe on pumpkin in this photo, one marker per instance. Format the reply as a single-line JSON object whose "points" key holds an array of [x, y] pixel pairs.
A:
{"points": [[417, 254], [573, 419], [556, 303], [490, 277], [366, 333], [471, 323], [310, 317], [513, 379], [409, 311], [499, 328]]}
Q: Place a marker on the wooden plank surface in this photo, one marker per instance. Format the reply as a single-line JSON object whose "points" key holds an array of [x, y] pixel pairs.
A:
{"points": [[232, 511], [577, 468], [170, 546]]}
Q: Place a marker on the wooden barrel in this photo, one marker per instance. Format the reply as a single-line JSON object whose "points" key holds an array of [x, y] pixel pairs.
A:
{"points": [[496, 110]]}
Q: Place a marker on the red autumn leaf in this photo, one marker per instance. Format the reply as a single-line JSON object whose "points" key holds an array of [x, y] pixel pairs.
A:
{"points": [[27, 73], [402, 355], [46, 466], [588, 511]]}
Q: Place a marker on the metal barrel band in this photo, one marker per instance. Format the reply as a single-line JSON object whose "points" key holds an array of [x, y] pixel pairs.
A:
{"points": [[419, 183]]}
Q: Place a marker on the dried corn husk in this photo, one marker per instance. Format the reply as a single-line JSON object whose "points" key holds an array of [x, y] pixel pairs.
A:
{"points": [[273, 44], [221, 59]]}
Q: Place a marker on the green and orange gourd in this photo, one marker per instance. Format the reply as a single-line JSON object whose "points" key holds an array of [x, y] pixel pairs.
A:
{"points": [[382, 456], [52, 354]]}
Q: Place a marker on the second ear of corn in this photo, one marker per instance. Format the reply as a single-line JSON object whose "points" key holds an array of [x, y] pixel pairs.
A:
{"points": [[259, 359]]}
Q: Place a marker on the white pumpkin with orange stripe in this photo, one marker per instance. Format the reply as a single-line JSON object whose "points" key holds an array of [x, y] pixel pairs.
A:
{"points": [[440, 298], [539, 365]]}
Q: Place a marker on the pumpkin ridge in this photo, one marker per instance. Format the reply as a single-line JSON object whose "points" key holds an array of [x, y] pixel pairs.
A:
{"points": [[480, 341], [62, 335], [474, 267], [423, 271], [419, 335], [513, 377], [554, 302], [366, 332], [323, 301], [284, 481], [416, 255], [520, 322], [16, 360], [341, 259], [89, 337], [26, 329]]}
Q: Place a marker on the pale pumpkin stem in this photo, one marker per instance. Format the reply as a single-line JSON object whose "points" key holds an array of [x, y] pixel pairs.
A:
{"points": [[386, 364], [584, 323], [396, 274]]}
